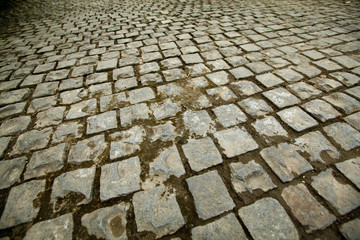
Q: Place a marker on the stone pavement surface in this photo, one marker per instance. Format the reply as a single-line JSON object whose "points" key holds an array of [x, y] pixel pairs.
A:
{"points": [[189, 119]]}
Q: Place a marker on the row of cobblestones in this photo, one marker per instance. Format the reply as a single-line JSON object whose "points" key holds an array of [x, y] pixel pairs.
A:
{"points": [[182, 120]]}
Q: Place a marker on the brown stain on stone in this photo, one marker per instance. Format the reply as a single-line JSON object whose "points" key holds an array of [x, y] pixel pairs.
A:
{"points": [[116, 226]]}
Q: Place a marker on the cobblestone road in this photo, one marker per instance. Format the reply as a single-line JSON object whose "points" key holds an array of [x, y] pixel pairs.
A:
{"points": [[182, 119]]}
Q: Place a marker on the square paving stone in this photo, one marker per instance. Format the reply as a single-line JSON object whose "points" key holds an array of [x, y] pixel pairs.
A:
{"points": [[165, 109], [126, 142], [304, 91], [114, 101], [278, 62], [343, 134], [219, 78], [71, 83], [134, 112], [351, 230], [346, 78], [61, 227], [325, 84], [229, 115], [10, 171], [79, 181], [321, 110], [192, 58], [67, 131], [46, 161], [311, 214], [90, 149], [241, 72], [354, 120], [197, 69], [266, 219], [20, 206], [106, 65], [171, 63], [124, 72], [289, 75], [70, 97], [281, 97], [222, 93], [343, 101], [269, 128], [355, 91], [342, 197], [57, 75], [236, 61], [151, 79], [14, 125], [125, 175], [14, 96], [285, 161], [157, 210], [148, 68], [35, 105], [351, 169], [52, 116], [327, 65], [45, 89], [125, 83], [235, 141], [32, 140], [98, 90], [82, 70], [315, 145], [268, 80], [245, 88], [250, 177], [255, 107], [210, 195], [201, 153], [346, 61], [198, 123], [308, 70], [313, 54], [107, 222], [297, 119], [259, 67], [250, 47], [217, 65], [82, 109], [101, 122], [141, 95], [227, 227]]}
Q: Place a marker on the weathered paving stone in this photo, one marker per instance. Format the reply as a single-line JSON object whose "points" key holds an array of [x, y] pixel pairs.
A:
{"points": [[306, 208], [171, 63], [351, 169], [126, 142], [132, 113], [210, 195], [313, 54], [321, 110], [285, 161], [346, 78], [57, 75], [229, 115], [308, 70], [269, 128], [289, 75], [217, 65], [113, 101], [82, 109], [199, 123], [235, 141], [106, 65], [14, 96], [14, 125], [342, 197], [79, 181], [156, 210], [227, 227], [304, 91], [267, 219], [91, 149], [222, 93], [281, 97], [19, 207], [165, 109], [344, 102], [197, 69], [99, 90], [40, 104], [107, 223], [343, 134], [151, 79], [124, 72], [167, 163], [259, 67], [45, 161], [250, 177], [96, 78], [67, 131], [346, 61], [125, 83], [164, 132], [141, 95], [219, 78], [33, 80], [102, 122], [241, 72], [125, 175], [236, 61], [82, 70], [32, 140], [354, 120], [201, 153], [315, 144], [10, 171], [60, 228], [45, 89], [245, 88], [174, 74], [255, 107], [148, 68], [73, 96], [355, 91], [297, 119], [44, 68], [327, 65], [350, 230], [52, 116], [71, 83], [325, 84]]}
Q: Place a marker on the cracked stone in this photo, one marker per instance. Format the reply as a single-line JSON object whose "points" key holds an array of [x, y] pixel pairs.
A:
{"points": [[10, 171]]}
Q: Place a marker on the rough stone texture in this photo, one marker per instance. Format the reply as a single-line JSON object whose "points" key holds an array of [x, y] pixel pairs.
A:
{"points": [[134, 112], [201, 153], [79, 181], [241, 72], [107, 223], [321, 110], [165, 109], [126, 142], [304, 91], [267, 219], [10, 171], [125, 175], [342, 197], [156, 210], [12, 109], [235, 141], [19, 207], [199, 123], [67, 131], [255, 107], [91, 149], [351, 169], [281, 97], [354, 120], [269, 128], [14, 125], [102, 122], [306, 208], [285, 161], [343, 134], [346, 78], [297, 119], [57, 228], [4, 143], [113, 101], [52, 116], [227, 227], [45, 161], [351, 230], [141, 95], [344, 102], [229, 115], [249, 177], [82, 109], [219, 78], [14, 96], [210, 195]]}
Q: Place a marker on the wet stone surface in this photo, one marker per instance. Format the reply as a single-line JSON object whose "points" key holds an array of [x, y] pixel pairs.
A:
{"points": [[172, 119]]}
